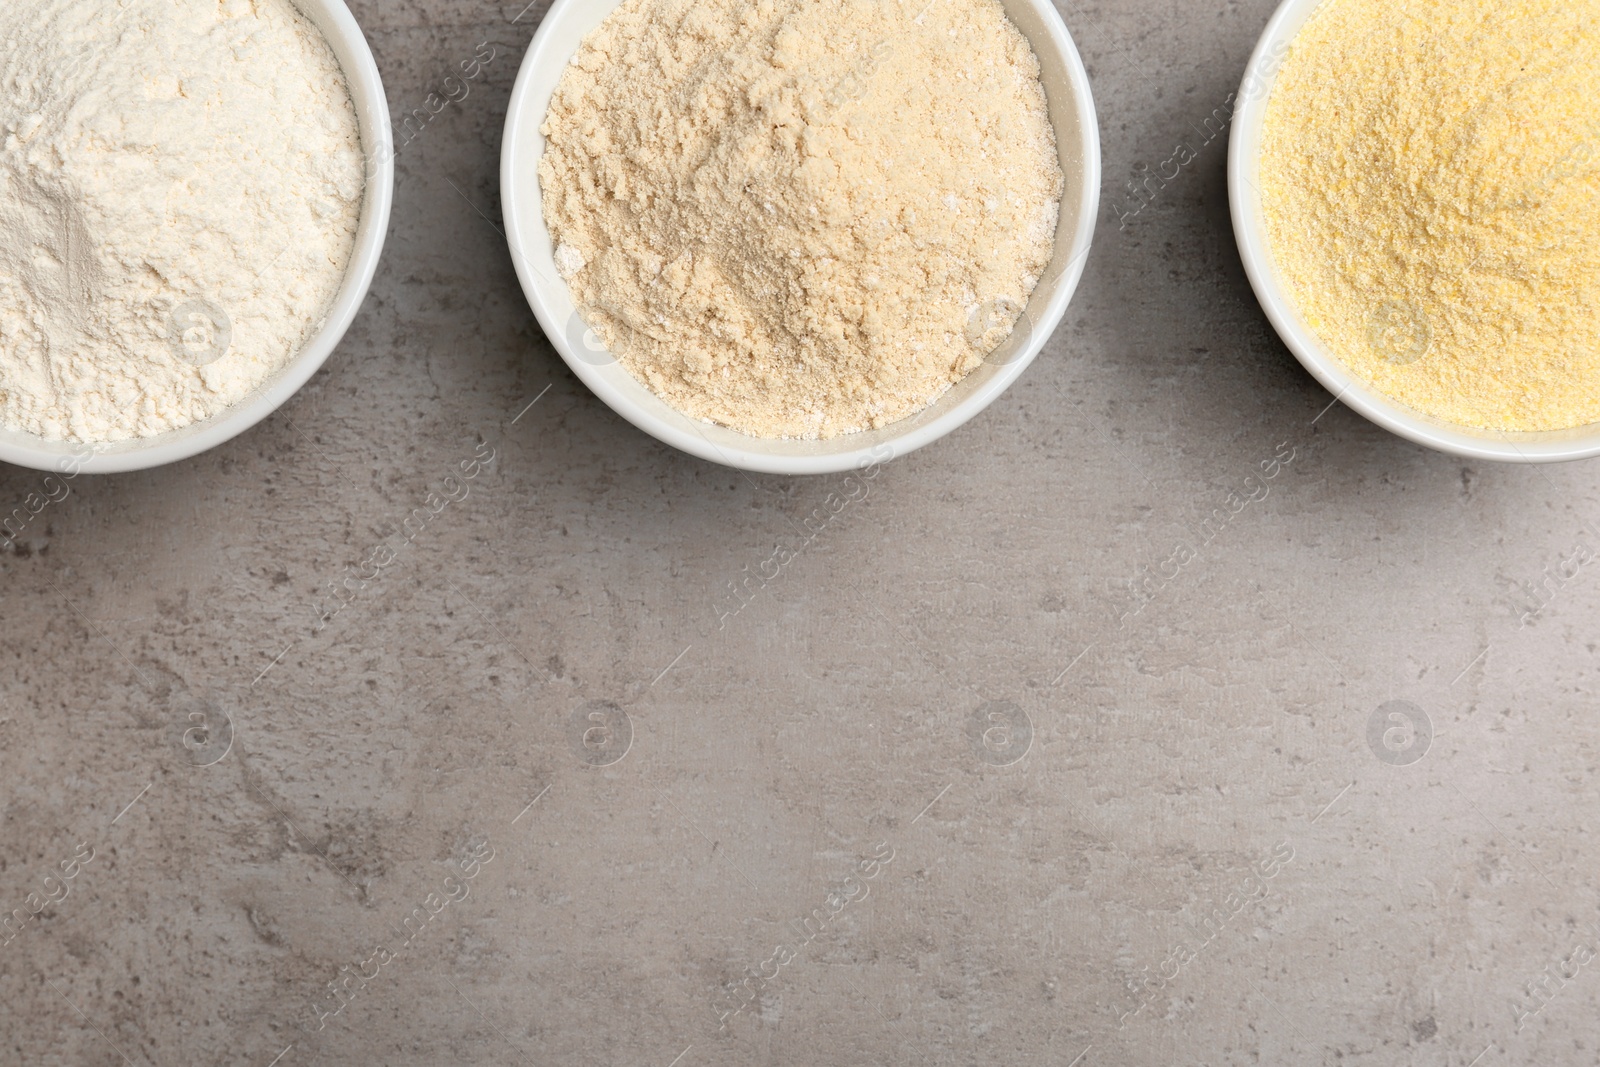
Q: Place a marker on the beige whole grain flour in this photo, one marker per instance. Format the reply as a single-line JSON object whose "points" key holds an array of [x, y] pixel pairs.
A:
{"points": [[180, 186], [801, 218]]}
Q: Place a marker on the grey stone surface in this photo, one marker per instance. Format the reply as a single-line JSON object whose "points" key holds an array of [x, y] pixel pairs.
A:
{"points": [[1075, 825]]}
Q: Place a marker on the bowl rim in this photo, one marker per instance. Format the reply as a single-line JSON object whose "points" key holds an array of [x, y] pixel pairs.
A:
{"points": [[1255, 93], [344, 36], [519, 187]]}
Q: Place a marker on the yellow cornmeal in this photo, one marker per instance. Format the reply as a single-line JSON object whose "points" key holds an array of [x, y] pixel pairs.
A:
{"points": [[1430, 178]]}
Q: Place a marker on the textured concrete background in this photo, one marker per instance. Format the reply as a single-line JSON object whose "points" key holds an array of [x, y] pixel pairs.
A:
{"points": [[547, 790]]}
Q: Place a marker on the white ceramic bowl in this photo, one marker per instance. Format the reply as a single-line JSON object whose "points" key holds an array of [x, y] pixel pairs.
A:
{"points": [[1072, 113], [349, 46], [1244, 167]]}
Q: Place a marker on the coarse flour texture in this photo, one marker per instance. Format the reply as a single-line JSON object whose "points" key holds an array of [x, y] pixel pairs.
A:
{"points": [[1430, 178], [157, 155], [802, 218]]}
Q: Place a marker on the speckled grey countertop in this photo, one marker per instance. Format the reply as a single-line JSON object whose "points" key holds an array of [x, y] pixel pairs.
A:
{"points": [[945, 790]]}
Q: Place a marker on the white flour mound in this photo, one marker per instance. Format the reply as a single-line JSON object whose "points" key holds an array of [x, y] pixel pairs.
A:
{"points": [[180, 185]]}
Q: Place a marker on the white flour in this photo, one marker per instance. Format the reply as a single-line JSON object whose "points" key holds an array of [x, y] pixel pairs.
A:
{"points": [[180, 184]]}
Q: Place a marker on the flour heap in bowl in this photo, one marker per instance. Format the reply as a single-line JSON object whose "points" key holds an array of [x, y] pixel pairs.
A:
{"points": [[802, 218], [1430, 180], [180, 187]]}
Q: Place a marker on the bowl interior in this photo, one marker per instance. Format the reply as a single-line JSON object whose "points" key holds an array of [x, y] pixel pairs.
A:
{"points": [[1071, 113], [1244, 169], [349, 47]]}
